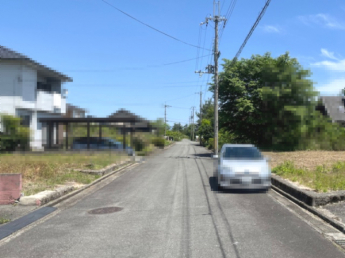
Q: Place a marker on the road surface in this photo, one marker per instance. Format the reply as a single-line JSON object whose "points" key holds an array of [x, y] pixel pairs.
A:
{"points": [[170, 209]]}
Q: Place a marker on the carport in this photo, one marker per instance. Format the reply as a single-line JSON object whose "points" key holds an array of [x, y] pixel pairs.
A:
{"points": [[124, 120]]}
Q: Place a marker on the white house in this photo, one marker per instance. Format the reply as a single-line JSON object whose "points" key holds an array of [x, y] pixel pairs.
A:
{"points": [[31, 91]]}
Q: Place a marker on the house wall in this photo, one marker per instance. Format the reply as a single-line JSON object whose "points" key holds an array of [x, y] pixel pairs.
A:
{"points": [[10, 87], [19, 95]]}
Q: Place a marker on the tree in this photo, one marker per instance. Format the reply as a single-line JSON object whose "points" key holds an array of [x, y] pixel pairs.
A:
{"points": [[207, 112], [177, 127], [159, 124], [206, 130], [14, 135], [266, 101]]}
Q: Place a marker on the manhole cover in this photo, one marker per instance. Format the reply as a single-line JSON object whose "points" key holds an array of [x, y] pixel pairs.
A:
{"points": [[105, 210]]}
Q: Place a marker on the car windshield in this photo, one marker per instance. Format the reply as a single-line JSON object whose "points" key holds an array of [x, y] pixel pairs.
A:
{"points": [[246, 153]]}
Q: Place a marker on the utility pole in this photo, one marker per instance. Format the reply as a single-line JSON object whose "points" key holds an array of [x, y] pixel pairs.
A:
{"points": [[192, 127], [165, 118], [200, 114], [216, 18]]}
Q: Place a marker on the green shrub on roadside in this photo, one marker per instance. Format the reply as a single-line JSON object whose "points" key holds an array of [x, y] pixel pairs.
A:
{"points": [[210, 144], [14, 135], [322, 179], [138, 144], [158, 142]]}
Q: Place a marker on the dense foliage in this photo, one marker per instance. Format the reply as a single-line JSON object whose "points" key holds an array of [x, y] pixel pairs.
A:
{"points": [[270, 102], [13, 136]]}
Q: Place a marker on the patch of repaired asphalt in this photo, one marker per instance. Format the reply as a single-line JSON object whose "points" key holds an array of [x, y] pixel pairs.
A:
{"points": [[22, 222]]}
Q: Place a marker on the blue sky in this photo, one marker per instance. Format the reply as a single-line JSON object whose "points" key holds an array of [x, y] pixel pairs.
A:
{"points": [[116, 62]]}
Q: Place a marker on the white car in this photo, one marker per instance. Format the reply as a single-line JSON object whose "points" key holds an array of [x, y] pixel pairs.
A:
{"points": [[242, 166]]}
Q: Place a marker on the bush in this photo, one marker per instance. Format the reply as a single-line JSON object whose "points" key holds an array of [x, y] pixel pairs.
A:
{"points": [[210, 144], [138, 144], [15, 136], [158, 142]]}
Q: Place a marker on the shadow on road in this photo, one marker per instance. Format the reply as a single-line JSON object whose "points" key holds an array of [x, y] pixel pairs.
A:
{"points": [[203, 155], [214, 187]]}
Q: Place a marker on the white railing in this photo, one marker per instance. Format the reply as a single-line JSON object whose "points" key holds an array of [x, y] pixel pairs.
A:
{"points": [[45, 101]]}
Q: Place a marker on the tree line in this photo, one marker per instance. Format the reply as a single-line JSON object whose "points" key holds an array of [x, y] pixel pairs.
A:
{"points": [[272, 103]]}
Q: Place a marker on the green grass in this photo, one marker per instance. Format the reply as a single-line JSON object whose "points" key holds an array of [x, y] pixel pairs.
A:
{"points": [[4, 220], [46, 171], [321, 179]]}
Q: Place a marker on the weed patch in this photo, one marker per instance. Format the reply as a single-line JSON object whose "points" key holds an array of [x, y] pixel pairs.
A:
{"points": [[46, 171]]}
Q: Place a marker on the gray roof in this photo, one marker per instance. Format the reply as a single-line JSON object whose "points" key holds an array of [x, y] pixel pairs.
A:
{"points": [[8, 54], [79, 109], [121, 113], [334, 106]]}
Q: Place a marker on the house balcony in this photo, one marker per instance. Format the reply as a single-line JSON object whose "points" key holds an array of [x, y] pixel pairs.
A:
{"points": [[50, 102]]}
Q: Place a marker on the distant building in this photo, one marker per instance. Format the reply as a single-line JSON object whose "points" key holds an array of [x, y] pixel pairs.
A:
{"points": [[30, 90], [75, 112], [333, 107]]}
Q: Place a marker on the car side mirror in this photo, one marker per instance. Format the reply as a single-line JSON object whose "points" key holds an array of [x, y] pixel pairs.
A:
{"points": [[215, 156]]}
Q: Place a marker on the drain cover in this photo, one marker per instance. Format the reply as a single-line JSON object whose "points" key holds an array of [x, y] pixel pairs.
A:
{"points": [[105, 210], [341, 243]]}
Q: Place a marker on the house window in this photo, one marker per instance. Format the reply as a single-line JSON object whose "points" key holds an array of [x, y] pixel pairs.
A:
{"points": [[44, 86], [25, 121], [341, 109]]}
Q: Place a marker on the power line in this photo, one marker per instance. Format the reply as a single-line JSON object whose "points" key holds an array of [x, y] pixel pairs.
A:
{"points": [[130, 16], [252, 29], [180, 98], [134, 68], [227, 16]]}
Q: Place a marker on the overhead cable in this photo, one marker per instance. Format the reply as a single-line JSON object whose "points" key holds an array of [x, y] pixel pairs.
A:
{"points": [[147, 25], [251, 30]]}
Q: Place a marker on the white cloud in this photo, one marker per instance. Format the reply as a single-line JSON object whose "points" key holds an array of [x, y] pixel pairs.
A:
{"points": [[333, 87], [271, 29], [338, 66], [322, 19], [328, 54]]}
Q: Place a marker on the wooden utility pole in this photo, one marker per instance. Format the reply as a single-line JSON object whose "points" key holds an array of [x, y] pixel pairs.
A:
{"points": [[193, 124], [210, 69], [165, 118]]}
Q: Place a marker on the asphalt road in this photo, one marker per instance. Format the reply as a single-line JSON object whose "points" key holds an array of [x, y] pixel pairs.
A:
{"points": [[171, 210]]}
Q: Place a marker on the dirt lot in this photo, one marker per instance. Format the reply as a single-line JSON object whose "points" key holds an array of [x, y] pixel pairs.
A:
{"points": [[308, 160]]}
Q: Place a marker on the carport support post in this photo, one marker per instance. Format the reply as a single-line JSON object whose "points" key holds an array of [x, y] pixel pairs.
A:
{"points": [[124, 137], [57, 133], [131, 134], [132, 138], [88, 135], [100, 133], [66, 124], [50, 134]]}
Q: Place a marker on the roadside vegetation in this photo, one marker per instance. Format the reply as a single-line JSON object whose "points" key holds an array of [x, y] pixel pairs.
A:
{"points": [[46, 171], [271, 103], [13, 135], [4, 220], [321, 171]]}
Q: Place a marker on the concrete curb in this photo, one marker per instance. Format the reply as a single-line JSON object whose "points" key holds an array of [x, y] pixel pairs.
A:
{"points": [[308, 197], [65, 197], [169, 146], [311, 209], [45, 196], [103, 171], [50, 198]]}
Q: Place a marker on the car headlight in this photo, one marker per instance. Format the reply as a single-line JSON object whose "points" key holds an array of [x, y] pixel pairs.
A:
{"points": [[265, 171]]}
